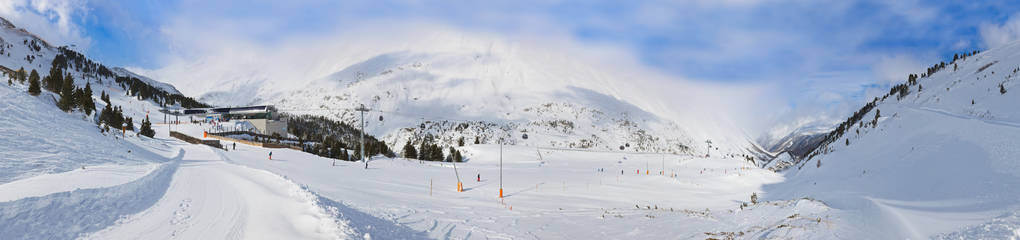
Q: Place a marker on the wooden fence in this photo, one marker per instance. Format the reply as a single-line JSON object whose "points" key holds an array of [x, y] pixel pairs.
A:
{"points": [[193, 140]]}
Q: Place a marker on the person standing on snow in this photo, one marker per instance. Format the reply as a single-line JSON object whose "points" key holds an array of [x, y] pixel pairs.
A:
{"points": [[479, 177], [270, 155], [235, 146]]}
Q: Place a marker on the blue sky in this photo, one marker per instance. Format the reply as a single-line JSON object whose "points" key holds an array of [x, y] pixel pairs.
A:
{"points": [[823, 55]]}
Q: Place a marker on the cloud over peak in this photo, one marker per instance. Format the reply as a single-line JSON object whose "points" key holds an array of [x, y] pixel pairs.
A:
{"points": [[55, 21]]}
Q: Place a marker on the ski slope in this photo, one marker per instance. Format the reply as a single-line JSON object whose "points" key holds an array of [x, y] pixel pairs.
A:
{"points": [[211, 199], [559, 194], [942, 162], [62, 178]]}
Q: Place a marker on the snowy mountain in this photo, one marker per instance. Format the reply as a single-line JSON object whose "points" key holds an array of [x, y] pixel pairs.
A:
{"points": [[62, 177], [798, 143], [935, 155], [32, 121], [160, 85], [20, 49], [459, 86]]}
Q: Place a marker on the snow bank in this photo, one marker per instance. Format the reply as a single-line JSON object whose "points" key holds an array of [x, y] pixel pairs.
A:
{"points": [[67, 215], [37, 138], [86, 178]]}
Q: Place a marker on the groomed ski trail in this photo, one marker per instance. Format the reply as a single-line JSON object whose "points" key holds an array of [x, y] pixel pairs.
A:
{"points": [[209, 198], [965, 117]]}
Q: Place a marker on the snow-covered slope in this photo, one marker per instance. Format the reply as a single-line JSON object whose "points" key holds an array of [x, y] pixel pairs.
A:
{"points": [[160, 85], [63, 177], [941, 159], [458, 84], [31, 122], [30, 148], [20, 49], [798, 143]]}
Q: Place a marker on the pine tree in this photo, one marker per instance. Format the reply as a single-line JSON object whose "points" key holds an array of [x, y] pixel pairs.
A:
{"points": [[108, 116], [423, 152], [147, 128], [33, 84], [476, 140], [130, 124], [55, 80], [79, 98], [878, 113], [105, 97], [409, 151], [67, 101], [457, 157], [460, 142], [437, 153], [20, 75], [87, 104], [452, 153]]}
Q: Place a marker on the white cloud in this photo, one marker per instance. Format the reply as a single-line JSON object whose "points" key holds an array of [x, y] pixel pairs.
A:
{"points": [[914, 11], [963, 44], [784, 47], [894, 69], [53, 21], [995, 35], [207, 49]]}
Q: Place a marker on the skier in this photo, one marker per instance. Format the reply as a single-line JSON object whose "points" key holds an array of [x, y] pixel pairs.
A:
{"points": [[235, 146], [479, 177], [270, 155]]}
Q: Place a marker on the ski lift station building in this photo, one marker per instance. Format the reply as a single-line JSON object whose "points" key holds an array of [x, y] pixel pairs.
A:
{"points": [[265, 119]]}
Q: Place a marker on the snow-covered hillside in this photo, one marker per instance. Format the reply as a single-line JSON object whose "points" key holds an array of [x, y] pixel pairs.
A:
{"points": [[161, 85], [942, 159], [459, 85], [20, 49], [31, 122], [63, 177], [798, 143]]}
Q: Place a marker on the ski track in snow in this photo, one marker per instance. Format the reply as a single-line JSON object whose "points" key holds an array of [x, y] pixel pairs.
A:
{"points": [[965, 117], [212, 199]]}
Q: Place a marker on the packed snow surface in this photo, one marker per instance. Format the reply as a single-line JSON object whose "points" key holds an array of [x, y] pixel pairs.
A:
{"points": [[209, 198], [943, 161], [547, 193]]}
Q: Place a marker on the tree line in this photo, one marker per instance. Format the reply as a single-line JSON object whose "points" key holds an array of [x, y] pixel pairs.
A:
{"points": [[428, 150], [333, 139], [900, 91]]}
